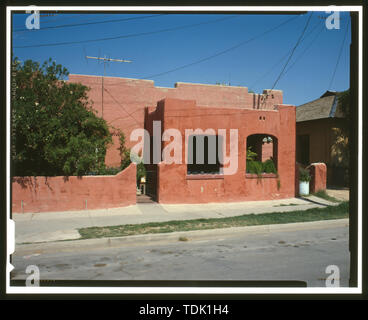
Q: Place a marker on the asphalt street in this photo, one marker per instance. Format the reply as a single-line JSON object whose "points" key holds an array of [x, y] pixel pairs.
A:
{"points": [[300, 255]]}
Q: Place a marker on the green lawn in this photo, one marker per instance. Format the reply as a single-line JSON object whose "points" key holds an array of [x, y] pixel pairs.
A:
{"points": [[339, 211]]}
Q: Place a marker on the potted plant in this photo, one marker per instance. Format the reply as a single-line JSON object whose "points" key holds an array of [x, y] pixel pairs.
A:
{"points": [[304, 178]]}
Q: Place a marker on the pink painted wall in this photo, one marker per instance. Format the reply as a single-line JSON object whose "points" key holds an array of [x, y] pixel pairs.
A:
{"points": [[175, 186], [47, 194], [267, 151], [124, 101]]}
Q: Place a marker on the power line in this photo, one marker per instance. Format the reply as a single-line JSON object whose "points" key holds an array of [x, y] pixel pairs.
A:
{"points": [[124, 36], [284, 56], [129, 114], [216, 54], [64, 17], [306, 49], [221, 52], [126, 117], [293, 50], [89, 23], [339, 56]]}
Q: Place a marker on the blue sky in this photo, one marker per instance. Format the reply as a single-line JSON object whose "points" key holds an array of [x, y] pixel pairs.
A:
{"points": [[216, 44]]}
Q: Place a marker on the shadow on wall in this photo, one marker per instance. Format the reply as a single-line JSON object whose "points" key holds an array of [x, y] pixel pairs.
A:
{"points": [[30, 182], [50, 194]]}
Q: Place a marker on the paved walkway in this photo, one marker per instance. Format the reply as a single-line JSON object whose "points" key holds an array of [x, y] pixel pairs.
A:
{"points": [[340, 194], [53, 226]]}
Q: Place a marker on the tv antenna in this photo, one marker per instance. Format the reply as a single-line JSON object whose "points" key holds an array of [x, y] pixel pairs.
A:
{"points": [[105, 60]]}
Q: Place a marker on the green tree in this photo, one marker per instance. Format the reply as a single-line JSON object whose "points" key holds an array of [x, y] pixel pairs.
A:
{"points": [[54, 128], [124, 152], [126, 158]]}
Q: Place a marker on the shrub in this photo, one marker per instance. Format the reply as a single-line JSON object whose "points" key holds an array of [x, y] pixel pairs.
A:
{"points": [[251, 156], [255, 167], [258, 167], [269, 166], [304, 175]]}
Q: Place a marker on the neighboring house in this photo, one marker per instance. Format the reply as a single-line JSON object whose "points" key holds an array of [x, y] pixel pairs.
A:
{"points": [[321, 136]]}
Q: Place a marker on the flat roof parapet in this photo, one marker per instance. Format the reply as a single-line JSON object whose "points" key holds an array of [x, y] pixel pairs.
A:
{"points": [[182, 84], [122, 80], [271, 90], [151, 83]]}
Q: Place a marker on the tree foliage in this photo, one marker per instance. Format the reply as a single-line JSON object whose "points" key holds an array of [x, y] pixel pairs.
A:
{"points": [[126, 159], [340, 147], [54, 128]]}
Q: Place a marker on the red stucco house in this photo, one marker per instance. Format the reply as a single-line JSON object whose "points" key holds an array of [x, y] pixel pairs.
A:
{"points": [[130, 104]]}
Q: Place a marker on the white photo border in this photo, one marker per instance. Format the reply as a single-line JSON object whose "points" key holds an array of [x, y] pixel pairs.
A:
{"points": [[183, 290]]}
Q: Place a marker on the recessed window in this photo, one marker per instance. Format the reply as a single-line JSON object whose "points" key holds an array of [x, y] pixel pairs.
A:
{"points": [[204, 154]]}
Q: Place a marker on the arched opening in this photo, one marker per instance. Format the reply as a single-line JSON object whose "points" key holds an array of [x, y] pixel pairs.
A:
{"points": [[261, 154]]}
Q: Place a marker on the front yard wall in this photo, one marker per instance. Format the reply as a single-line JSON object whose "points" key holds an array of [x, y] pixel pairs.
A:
{"points": [[47, 194]]}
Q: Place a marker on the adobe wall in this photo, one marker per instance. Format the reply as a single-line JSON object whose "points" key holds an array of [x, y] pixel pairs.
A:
{"points": [[124, 101], [318, 173], [175, 186], [48, 194]]}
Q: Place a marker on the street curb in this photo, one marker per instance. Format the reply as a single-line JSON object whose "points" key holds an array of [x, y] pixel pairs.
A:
{"points": [[181, 236]]}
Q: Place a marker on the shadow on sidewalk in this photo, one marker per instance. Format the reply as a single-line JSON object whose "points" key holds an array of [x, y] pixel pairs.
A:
{"points": [[314, 201]]}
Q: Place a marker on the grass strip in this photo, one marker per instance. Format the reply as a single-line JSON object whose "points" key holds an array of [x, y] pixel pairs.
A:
{"points": [[323, 194], [339, 211]]}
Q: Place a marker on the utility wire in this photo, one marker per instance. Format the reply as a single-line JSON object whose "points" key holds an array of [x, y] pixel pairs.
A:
{"points": [[306, 49], [64, 17], [292, 52], [126, 117], [221, 52], [216, 54], [117, 102], [94, 23], [339, 56], [124, 36], [285, 55]]}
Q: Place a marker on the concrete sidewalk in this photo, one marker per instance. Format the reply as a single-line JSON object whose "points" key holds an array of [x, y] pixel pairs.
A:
{"points": [[55, 226], [339, 193]]}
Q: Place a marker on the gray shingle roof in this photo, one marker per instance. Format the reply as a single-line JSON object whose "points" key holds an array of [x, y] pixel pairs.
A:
{"points": [[322, 108]]}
